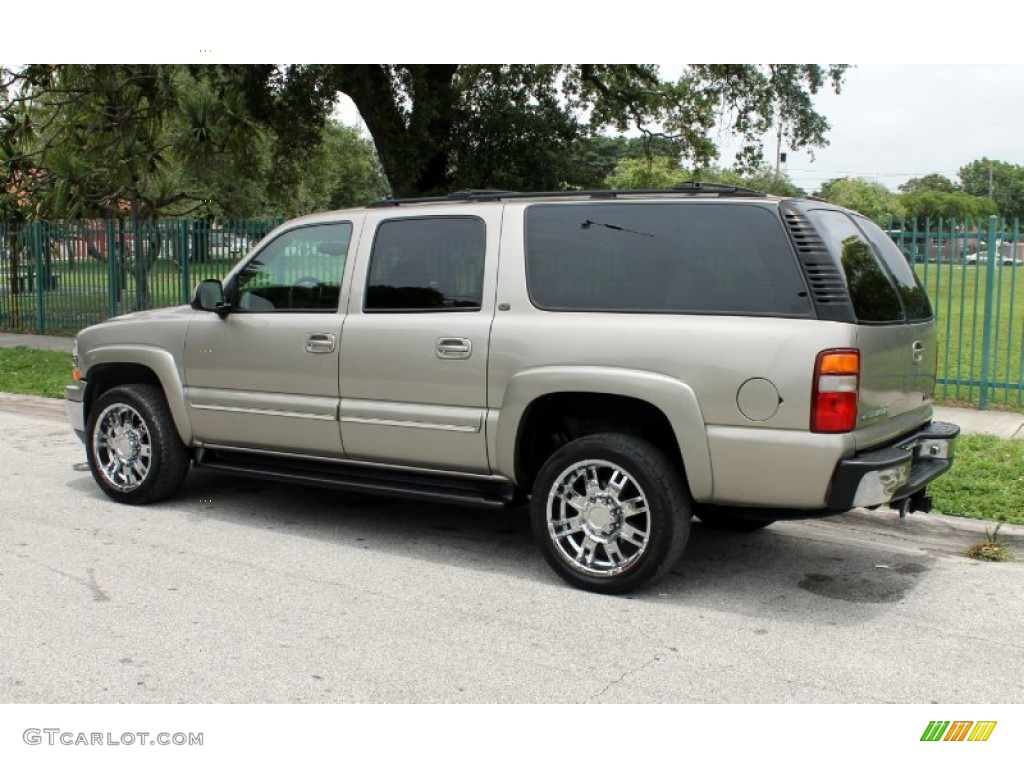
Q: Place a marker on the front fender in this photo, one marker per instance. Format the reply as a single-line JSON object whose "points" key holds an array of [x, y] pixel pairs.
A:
{"points": [[672, 397], [161, 362]]}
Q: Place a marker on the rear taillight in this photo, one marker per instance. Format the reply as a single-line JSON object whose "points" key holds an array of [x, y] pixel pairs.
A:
{"points": [[836, 390]]}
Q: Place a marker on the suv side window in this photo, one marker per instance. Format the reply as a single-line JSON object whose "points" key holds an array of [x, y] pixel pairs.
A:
{"points": [[915, 300], [709, 258], [433, 264], [872, 293], [299, 271]]}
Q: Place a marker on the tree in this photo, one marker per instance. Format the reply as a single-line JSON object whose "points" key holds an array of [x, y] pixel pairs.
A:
{"points": [[764, 179], [339, 171], [446, 126], [110, 140], [646, 173], [946, 205], [870, 198], [1004, 181], [932, 182]]}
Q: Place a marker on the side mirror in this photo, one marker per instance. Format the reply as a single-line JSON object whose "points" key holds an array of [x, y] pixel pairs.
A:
{"points": [[209, 297]]}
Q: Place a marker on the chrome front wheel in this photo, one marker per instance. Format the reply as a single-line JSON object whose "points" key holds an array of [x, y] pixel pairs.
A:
{"points": [[123, 447], [134, 451]]}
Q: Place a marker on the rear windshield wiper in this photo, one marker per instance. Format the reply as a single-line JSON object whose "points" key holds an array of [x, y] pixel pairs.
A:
{"points": [[588, 223]]}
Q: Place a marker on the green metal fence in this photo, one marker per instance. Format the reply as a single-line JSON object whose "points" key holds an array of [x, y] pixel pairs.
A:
{"points": [[58, 277], [973, 271]]}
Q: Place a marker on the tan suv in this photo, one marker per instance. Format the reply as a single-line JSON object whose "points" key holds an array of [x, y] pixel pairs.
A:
{"points": [[624, 359]]}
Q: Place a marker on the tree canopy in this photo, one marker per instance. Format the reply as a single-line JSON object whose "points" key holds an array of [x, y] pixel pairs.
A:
{"points": [[249, 139], [442, 127], [870, 198], [1005, 182], [935, 196], [157, 140], [932, 182]]}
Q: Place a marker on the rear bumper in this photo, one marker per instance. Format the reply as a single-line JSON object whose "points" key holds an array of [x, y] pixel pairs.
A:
{"points": [[894, 472]]}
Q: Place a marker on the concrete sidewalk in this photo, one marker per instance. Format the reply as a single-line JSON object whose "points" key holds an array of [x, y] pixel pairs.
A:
{"points": [[58, 343], [1001, 423]]}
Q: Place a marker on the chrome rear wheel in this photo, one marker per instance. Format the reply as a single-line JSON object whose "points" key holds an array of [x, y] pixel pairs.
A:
{"points": [[610, 512]]}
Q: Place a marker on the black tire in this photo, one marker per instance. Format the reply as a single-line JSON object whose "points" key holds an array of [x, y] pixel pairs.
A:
{"points": [[614, 545], [720, 518], [132, 446]]}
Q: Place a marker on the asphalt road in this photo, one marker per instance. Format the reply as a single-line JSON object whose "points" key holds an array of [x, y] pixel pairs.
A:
{"points": [[256, 592]]}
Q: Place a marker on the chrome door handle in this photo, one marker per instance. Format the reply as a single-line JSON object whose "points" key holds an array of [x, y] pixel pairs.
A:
{"points": [[320, 343], [453, 348]]}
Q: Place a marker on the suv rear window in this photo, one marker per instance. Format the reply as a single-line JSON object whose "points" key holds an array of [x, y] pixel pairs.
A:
{"points": [[714, 258], [912, 293], [882, 286]]}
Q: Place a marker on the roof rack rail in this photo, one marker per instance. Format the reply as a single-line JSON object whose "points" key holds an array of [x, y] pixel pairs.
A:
{"points": [[483, 195], [711, 186]]}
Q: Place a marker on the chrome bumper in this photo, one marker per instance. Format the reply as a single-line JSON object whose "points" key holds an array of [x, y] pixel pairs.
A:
{"points": [[884, 475]]}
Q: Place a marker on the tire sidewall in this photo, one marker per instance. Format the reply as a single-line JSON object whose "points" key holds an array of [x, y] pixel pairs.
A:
{"points": [[667, 501]]}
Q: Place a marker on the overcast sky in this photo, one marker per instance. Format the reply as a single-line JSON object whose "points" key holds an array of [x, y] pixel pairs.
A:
{"points": [[893, 122]]}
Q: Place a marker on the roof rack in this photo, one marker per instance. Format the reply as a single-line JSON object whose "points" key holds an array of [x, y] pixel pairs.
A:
{"points": [[722, 189], [484, 195]]}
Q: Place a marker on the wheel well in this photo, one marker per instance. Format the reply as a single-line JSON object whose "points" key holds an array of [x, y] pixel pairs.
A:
{"points": [[106, 376], [553, 420]]}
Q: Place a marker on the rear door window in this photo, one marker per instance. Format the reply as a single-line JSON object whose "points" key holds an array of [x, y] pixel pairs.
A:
{"points": [[708, 258], [433, 264]]}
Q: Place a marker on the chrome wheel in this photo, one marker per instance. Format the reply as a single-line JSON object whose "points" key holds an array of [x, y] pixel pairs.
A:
{"points": [[598, 518], [122, 447]]}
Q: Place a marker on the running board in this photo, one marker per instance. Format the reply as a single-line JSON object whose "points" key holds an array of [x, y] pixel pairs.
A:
{"points": [[401, 485]]}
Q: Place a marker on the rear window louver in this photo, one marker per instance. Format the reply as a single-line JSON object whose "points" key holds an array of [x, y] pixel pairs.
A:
{"points": [[824, 277]]}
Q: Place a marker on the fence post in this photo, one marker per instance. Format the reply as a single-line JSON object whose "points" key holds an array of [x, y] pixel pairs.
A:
{"points": [[986, 333], [37, 266], [183, 248], [112, 269]]}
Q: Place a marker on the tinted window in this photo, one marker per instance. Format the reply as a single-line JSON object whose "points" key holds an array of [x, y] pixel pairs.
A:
{"points": [[662, 257], [915, 300], [299, 270], [428, 264], [872, 293]]}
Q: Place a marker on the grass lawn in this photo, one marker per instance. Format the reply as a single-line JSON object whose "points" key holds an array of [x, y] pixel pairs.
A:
{"points": [[25, 371], [986, 481]]}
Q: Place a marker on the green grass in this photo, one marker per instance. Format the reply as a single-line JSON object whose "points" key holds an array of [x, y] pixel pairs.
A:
{"points": [[25, 371], [986, 481]]}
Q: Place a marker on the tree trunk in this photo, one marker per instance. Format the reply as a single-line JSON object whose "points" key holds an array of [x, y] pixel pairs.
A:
{"points": [[413, 144]]}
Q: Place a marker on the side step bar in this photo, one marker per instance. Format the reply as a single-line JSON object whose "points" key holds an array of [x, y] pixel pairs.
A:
{"points": [[483, 494]]}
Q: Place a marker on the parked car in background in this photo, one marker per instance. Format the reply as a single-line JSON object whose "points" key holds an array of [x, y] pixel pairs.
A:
{"points": [[973, 259]]}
